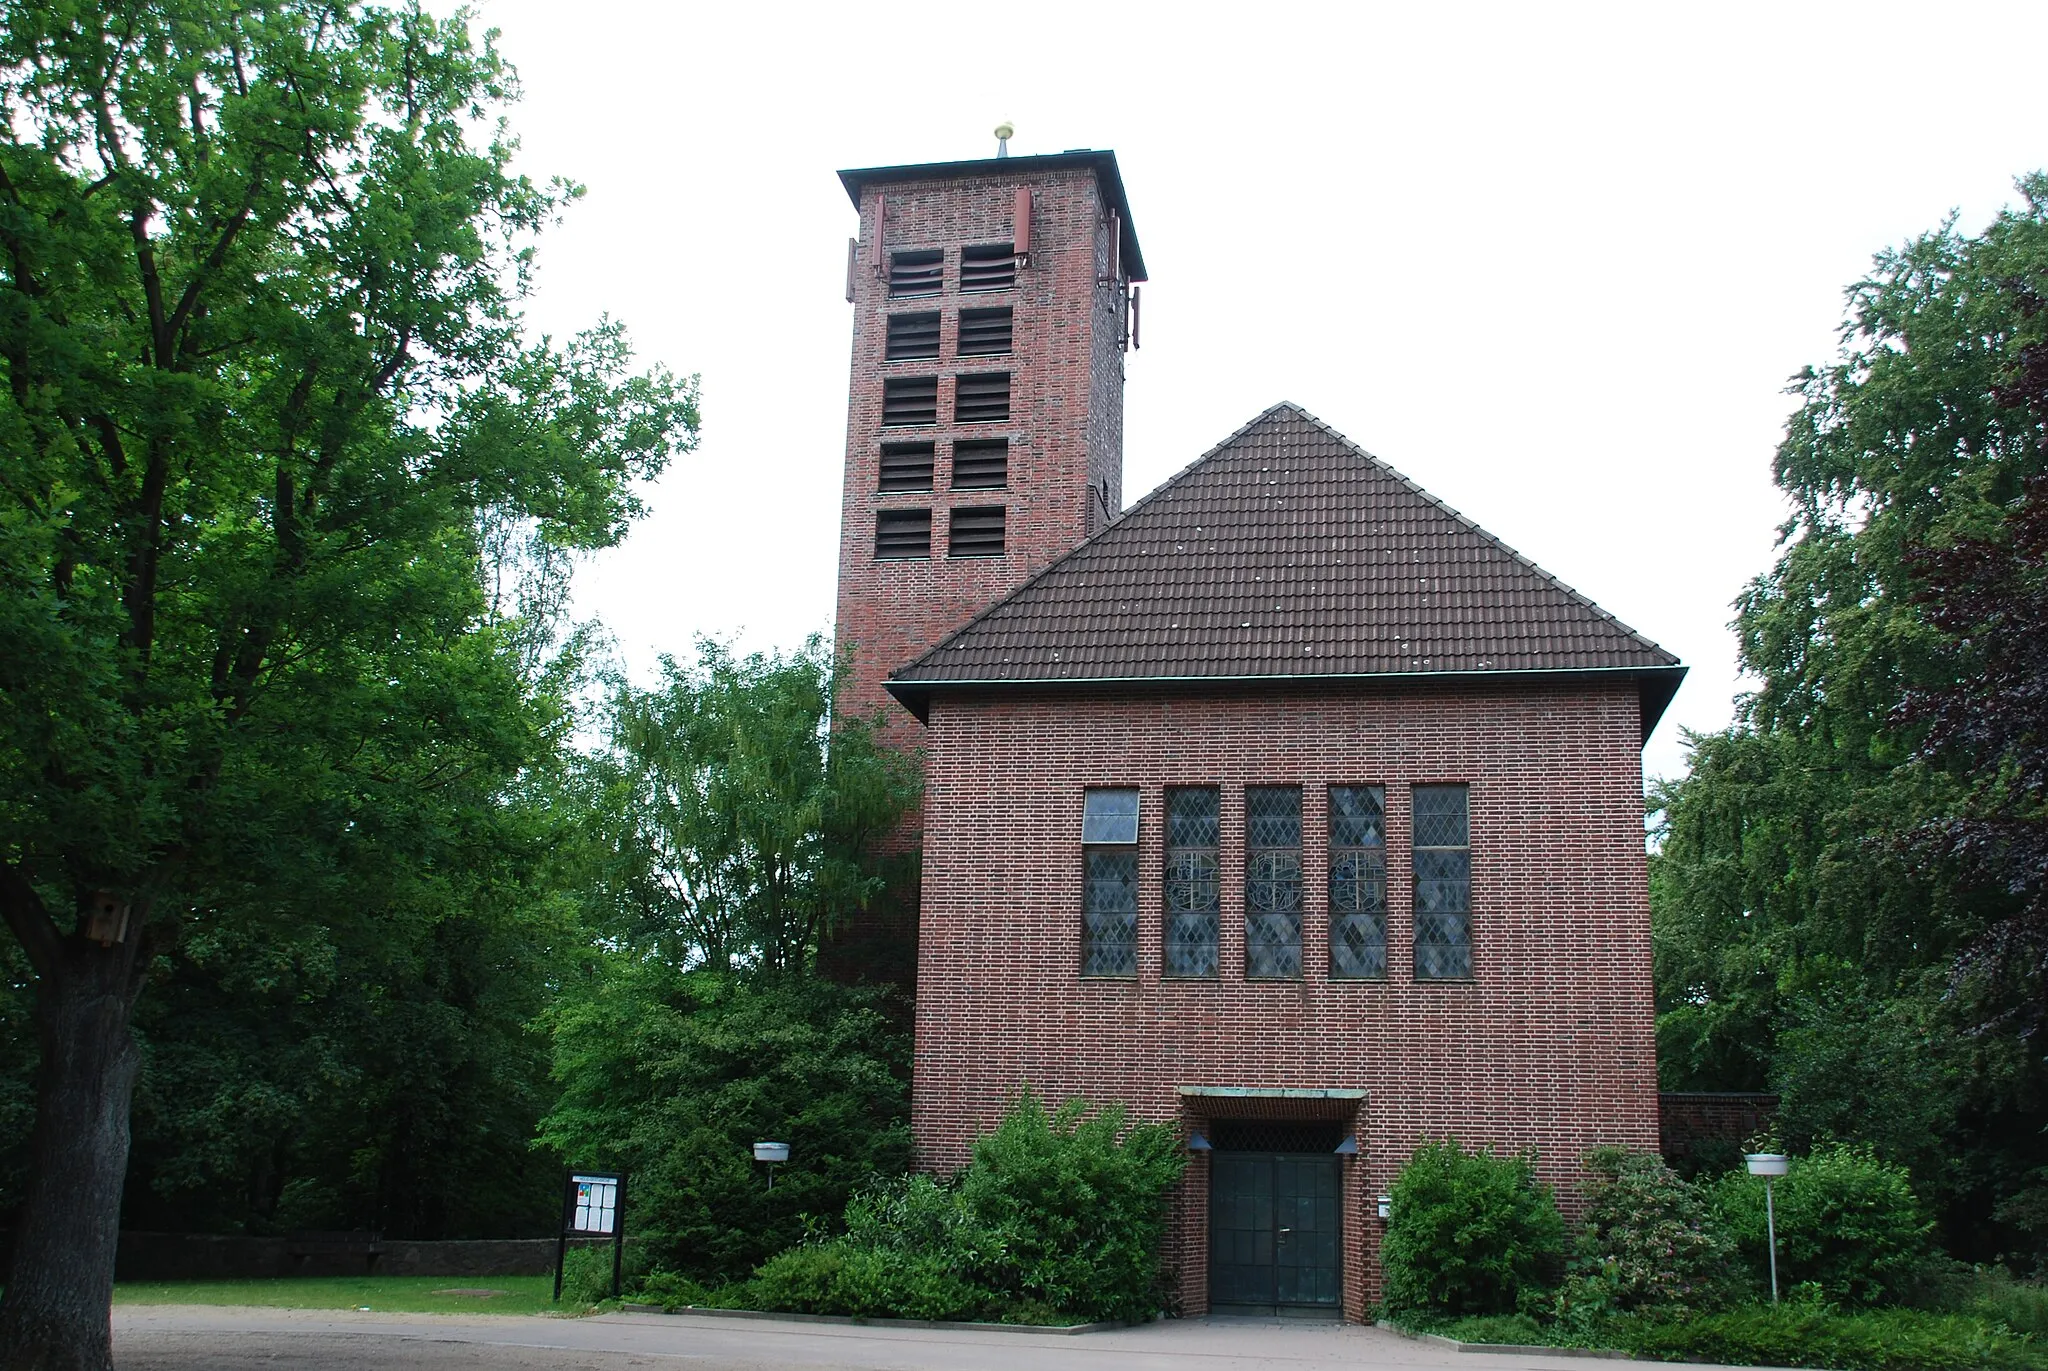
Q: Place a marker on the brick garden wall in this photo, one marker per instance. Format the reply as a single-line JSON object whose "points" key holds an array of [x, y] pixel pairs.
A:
{"points": [[1548, 1047]]}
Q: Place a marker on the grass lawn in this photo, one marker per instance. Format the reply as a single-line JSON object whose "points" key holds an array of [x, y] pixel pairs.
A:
{"points": [[384, 1294]]}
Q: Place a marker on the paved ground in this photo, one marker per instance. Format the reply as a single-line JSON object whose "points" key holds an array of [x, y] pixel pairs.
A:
{"points": [[194, 1338]]}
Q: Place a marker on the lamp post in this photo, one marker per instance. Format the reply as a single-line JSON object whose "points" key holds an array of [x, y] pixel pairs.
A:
{"points": [[771, 1153], [1770, 1165]]}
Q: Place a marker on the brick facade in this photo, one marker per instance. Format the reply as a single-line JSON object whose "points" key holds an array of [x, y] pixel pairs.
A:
{"points": [[1066, 407], [1549, 1046]]}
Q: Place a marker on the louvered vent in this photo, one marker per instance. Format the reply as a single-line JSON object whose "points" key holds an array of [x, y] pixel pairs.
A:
{"points": [[912, 336], [906, 466], [976, 533], [984, 332], [917, 273], [907, 533], [981, 465], [991, 266], [915, 400], [981, 397]]}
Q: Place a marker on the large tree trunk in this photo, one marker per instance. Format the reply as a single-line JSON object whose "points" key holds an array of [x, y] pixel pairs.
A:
{"points": [[54, 1314]]}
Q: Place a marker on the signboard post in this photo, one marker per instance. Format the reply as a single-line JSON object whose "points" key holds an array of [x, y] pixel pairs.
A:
{"points": [[593, 1205]]}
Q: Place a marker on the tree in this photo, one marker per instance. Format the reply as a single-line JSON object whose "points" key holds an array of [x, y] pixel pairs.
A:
{"points": [[1816, 932], [266, 389], [746, 836], [1989, 595], [731, 823]]}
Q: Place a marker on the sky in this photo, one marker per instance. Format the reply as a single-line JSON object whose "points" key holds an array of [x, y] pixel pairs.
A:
{"points": [[1555, 264]]}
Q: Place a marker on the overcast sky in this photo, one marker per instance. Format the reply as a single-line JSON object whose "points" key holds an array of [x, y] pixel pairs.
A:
{"points": [[1555, 264]]}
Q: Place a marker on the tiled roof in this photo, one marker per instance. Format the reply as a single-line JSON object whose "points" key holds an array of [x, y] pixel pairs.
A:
{"points": [[1287, 551]]}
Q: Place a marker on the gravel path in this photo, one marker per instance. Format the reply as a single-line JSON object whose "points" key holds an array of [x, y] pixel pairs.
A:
{"points": [[196, 1338]]}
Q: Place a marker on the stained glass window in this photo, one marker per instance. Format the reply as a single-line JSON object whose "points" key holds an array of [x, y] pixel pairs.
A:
{"points": [[1358, 882], [1193, 891], [1109, 915], [1109, 880], [1443, 883], [1272, 881]]}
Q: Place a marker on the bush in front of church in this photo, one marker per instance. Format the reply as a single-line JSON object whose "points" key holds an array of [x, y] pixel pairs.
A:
{"points": [[1848, 1224], [1649, 1241], [1470, 1233], [1079, 1199], [1058, 1218]]}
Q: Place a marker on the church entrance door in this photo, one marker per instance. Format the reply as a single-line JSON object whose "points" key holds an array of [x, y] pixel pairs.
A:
{"points": [[1274, 1221]]}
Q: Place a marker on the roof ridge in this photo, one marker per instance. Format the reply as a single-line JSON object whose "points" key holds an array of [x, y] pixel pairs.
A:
{"points": [[1147, 498], [1430, 497], [1101, 608]]}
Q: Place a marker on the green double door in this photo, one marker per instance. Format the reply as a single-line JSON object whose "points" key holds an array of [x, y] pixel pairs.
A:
{"points": [[1274, 1232]]}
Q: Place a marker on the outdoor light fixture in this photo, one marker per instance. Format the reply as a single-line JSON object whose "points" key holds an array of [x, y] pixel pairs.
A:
{"points": [[771, 1153], [1769, 1165], [1198, 1143], [1386, 1206]]}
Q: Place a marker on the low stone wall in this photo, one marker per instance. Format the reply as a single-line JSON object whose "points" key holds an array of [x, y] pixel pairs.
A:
{"points": [[205, 1256]]}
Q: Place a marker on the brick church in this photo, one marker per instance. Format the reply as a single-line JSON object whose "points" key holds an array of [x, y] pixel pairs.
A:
{"points": [[1286, 805]]}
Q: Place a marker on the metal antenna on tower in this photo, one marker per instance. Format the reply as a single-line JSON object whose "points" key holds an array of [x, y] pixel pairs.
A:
{"points": [[1005, 131]]}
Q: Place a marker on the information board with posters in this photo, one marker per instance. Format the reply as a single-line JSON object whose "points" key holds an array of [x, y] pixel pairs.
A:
{"points": [[593, 1206]]}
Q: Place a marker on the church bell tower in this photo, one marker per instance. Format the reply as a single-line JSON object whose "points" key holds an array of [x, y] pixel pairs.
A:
{"points": [[993, 302]]}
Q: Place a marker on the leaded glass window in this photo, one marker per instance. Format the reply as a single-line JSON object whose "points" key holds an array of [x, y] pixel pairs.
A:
{"points": [[1443, 883], [1272, 881], [1109, 919], [1193, 891], [1358, 882], [1109, 883]]}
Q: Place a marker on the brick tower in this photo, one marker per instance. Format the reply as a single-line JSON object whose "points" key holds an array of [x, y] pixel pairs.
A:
{"points": [[993, 302]]}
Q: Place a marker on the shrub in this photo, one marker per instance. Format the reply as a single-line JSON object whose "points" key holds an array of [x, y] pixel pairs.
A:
{"points": [[674, 1076], [587, 1272], [1058, 1215], [1077, 1204], [1816, 1335], [1847, 1223], [668, 1290], [1470, 1234], [838, 1276], [1649, 1239], [2021, 1306]]}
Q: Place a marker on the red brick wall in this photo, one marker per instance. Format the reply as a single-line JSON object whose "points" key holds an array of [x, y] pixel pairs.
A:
{"points": [[1548, 1047], [1066, 412]]}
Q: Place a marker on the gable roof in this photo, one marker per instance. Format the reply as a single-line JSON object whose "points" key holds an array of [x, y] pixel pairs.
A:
{"points": [[1288, 552]]}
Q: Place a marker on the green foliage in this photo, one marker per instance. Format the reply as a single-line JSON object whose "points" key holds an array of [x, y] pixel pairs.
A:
{"points": [[844, 1277], [1818, 1336], [2021, 1306], [1803, 942], [742, 833], [1848, 1224], [1648, 1239], [674, 1075], [287, 493], [1058, 1218], [1080, 1199], [1471, 1233]]}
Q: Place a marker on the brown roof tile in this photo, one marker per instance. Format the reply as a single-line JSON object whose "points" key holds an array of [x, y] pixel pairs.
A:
{"points": [[1288, 551]]}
